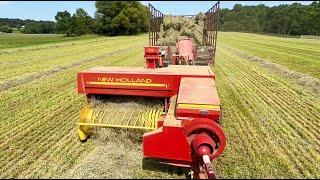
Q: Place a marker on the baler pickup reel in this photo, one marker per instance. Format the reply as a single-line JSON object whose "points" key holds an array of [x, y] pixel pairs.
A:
{"points": [[119, 112]]}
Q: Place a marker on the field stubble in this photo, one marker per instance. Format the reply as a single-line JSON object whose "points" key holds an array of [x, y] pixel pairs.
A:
{"points": [[271, 121], [276, 119]]}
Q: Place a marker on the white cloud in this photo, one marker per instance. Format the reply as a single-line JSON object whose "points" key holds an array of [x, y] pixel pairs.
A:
{"points": [[4, 2]]}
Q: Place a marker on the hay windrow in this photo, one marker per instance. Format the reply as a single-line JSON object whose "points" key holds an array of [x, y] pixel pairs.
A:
{"points": [[303, 79], [26, 79], [118, 154]]}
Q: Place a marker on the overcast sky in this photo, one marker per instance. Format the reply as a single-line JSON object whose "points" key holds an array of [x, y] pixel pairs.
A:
{"points": [[46, 10]]}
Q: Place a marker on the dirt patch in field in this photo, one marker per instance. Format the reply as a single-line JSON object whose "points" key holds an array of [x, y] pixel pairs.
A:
{"points": [[302, 79], [23, 80]]}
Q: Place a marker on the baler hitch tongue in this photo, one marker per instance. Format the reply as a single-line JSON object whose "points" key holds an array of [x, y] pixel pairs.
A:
{"points": [[204, 170], [208, 167], [123, 115]]}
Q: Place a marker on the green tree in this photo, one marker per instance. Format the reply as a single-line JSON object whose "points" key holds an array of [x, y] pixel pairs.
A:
{"points": [[6, 29], [39, 27], [64, 22], [31, 26], [294, 19], [121, 17], [81, 22]]}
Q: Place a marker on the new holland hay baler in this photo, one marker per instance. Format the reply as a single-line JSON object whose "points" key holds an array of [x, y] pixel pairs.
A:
{"points": [[188, 132]]}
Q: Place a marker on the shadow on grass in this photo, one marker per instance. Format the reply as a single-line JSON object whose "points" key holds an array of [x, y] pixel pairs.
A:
{"points": [[156, 165]]}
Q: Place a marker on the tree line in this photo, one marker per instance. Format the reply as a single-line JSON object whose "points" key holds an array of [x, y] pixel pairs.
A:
{"points": [[131, 17], [290, 20], [111, 18], [27, 26], [79, 23]]}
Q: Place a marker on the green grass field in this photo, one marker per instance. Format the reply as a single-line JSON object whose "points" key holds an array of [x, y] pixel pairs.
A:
{"points": [[272, 122], [300, 55], [17, 40]]}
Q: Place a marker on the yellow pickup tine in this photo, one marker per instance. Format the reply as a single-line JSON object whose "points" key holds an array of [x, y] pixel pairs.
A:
{"points": [[118, 114], [115, 126]]}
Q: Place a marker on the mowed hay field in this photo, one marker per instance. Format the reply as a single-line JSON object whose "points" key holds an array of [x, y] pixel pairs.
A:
{"points": [[268, 86], [13, 40]]}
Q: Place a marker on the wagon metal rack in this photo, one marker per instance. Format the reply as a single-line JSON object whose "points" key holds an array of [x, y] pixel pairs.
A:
{"points": [[209, 39]]}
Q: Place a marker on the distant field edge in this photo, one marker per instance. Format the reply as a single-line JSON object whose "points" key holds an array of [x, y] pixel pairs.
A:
{"points": [[279, 35], [11, 41]]}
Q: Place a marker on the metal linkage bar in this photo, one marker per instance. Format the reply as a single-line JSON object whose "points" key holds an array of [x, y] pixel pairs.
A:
{"points": [[156, 19], [210, 30]]}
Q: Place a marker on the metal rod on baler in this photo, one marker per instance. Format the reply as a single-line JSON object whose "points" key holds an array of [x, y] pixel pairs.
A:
{"points": [[115, 126]]}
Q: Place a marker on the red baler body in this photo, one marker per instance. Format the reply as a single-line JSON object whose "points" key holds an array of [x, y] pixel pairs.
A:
{"points": [[188, 132], [197, 105]]}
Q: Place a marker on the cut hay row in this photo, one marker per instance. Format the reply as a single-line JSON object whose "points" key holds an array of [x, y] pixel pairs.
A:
{"points": [[50, 46], [271, 122], [29, 97], [105, 162], [65, 149], [231, 164], [302, 79], [283, 126], [33, 149], [49, 59], [53, 127], [63, 79], [293, 101], [19, 40], [296, 54], [27, 78], [285, 95], [278, 109]]}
